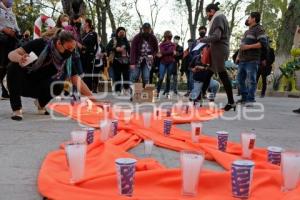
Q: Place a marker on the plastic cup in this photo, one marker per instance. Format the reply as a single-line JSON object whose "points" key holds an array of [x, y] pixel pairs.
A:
{"points": [[241, 178], [114, 127], [191, 164], [274, 155], [148, 146], [196, 131], [147, 119], [290, 170], [106, 110], [79, 136], [248, 143], [222, 140], [76, 154], [169, 112], [167, 127], [127, 116], [89, 134], [105, 127], [125, 175]]}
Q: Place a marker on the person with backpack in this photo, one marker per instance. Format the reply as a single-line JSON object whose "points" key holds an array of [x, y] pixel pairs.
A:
{"points": [[265, 67], [167, 51]]}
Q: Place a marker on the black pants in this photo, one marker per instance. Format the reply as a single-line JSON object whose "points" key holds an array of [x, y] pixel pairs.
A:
{"points": [[20, 83], [5, 47], [119, 71], [226, 83], [87, 65], [96, 75], [263, 72]]}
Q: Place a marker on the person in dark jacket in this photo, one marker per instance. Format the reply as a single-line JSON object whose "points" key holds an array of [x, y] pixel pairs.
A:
{"points": [[218, 38], [88, 52], [144, 47], [186, 60], [265, 68], [167, 51], [249, 57], [178, 58], [121, 52]]}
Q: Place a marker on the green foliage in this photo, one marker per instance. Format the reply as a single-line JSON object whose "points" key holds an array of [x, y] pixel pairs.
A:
{"points": [[26, 14], [288, 69]]}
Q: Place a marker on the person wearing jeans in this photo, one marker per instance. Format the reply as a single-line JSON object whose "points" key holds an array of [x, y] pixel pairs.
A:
{"points": [[249, 57], [167, 52]]}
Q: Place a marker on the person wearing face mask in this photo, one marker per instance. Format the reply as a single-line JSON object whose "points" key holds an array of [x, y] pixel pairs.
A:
{"points": [[167, 51], [120, 48], [8, 39], [63, 21], [249, 57], [144, 48], [25, 39], [178, 58], [88, 51], [185, 69], [218, 38], [44, 77]]}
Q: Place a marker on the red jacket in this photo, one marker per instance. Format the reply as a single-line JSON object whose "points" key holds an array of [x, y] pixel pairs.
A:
{"points": [[167, 49]]}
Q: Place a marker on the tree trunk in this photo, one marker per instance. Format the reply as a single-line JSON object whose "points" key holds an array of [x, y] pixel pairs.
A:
{"points": [[99, 18], [111, 17], [193, 17], [286, 33], [103, 26], [68, 9]]}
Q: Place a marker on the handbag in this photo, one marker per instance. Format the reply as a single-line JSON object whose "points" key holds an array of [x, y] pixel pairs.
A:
{"points": [[206, 56]]}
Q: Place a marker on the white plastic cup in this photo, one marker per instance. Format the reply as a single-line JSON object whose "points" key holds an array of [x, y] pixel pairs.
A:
{"points": [[290, 170], [106, 110], [191, 164], [148, 146], [147, 119], [79, 136], [196, 131], [248, 143], [76, 154], [105, 132], [127, 116]]}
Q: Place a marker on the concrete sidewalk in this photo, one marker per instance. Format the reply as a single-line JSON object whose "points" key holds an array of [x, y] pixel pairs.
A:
{"points": [[24, 145]]}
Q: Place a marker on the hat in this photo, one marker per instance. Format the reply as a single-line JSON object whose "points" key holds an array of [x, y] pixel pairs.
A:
{"points": [[146, 25]]}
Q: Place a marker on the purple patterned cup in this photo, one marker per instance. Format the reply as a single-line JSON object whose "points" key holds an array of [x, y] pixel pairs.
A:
{"points": [[90, 135], [169, 112], [125, 175], [241, 178], [274, 155], [167, 126], [222, 140], [114, 127]]}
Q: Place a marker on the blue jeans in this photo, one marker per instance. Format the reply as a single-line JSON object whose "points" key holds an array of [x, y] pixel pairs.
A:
{"points": [[190, 80], [140, 70], [214, 87], [163, 69], [247, 80]]}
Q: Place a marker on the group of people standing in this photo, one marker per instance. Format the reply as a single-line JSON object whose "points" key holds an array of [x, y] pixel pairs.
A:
{"points": [[72, 52]]}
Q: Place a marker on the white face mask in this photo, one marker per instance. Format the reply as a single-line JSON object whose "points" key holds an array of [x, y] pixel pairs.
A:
{"points": [[176, 41], [64, 24]]}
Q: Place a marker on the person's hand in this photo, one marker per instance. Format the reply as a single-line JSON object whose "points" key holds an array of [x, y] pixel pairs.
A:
{"points": [[132, 66], [158, 55], [119, 49], [264, 63], [79, 45], [23, 59], [244, 47], [194, 70], [8, 31], [175, 53]]}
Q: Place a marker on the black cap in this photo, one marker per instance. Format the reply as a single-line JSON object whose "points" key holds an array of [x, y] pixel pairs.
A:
{"points": [[146, 25]]}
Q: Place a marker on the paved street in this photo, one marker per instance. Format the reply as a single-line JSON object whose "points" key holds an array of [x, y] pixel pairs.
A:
{"points": [[24, 145]]}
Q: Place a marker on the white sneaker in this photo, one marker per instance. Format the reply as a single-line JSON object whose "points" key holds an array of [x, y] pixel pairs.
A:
{"points": [[41, 110]]}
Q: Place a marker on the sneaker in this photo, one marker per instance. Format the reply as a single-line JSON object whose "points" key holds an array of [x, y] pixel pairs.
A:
{"points": [[297, 111], [241, 101]]}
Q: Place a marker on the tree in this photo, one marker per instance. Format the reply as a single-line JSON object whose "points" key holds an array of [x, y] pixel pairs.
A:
{"points": [[71, 7], [195, 10]]}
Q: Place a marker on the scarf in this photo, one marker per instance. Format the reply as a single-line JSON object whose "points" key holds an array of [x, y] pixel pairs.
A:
{"points": [[55, 58], [218, 13]]}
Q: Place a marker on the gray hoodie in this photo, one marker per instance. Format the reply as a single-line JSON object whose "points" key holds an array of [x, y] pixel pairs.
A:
{"points": [[8, 20]]}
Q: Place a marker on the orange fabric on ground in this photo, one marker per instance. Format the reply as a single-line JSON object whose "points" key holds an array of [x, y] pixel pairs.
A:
{"points": [[153, 180]]}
